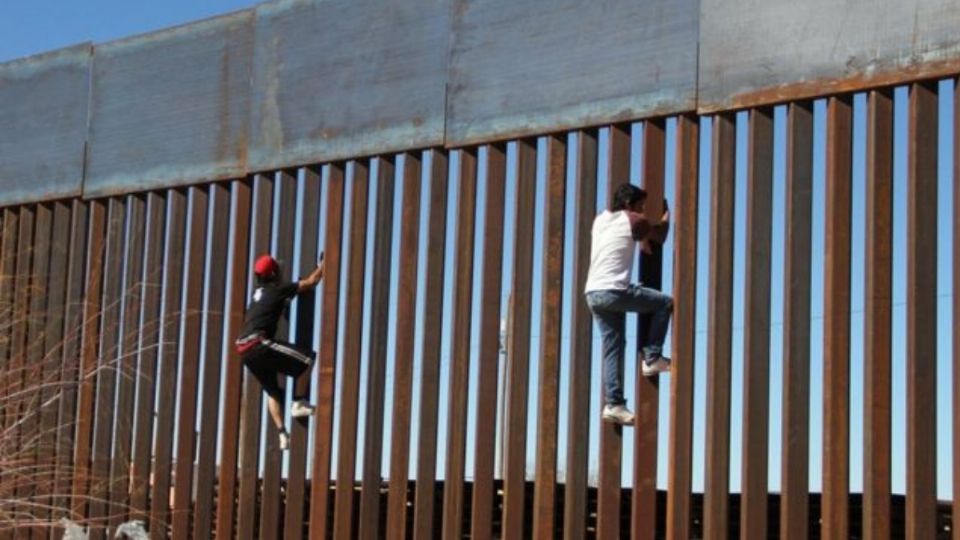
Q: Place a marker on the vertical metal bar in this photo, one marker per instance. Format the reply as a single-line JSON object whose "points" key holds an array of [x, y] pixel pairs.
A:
{"points": [[922, 312], [795, 443], [70, 353], [326, 372], [756, 383], [518, 354], [252, 404], [608, 498], [403, 367], [190, 362], [53, 340], [127, 363], [160, 495], [90, 342], [107, 369], [877, 338], [460, 354], [644, 502], [350, 389], [489, 354], [836, 324], [719, 339], [14, 409], [376, 368], [578, 431], [270, 499], [146, 376], [213, 346], [33, 373], [956, 305], [424, 518], [684, 214], [230, 432], [554, 197], [7, 282], [306, 307], [8, 277]]}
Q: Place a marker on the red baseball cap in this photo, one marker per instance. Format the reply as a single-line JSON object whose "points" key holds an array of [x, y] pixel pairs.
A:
{"points": [[265, 266]]}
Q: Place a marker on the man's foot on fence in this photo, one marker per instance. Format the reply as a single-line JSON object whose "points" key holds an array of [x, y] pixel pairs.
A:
{"points": [[618, 414], [284, 440], [301, 408], [659, 364]]}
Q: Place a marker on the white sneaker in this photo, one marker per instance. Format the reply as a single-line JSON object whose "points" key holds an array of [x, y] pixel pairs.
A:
{"points": [[301, 408], [284, 440], [660, 365], [618, 414]]}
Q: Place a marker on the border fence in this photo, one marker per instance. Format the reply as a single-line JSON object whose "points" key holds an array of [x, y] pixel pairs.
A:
{"points": [[448, 157]]}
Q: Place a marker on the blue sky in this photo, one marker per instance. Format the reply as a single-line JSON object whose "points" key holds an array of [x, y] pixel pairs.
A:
{"points": [[41, 25]]}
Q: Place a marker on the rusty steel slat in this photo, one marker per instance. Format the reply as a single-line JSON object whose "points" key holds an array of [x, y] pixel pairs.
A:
{"points": [[684, 214], [33, 373], [7, 261], [160, 494], [453, 489], [720, 329], [70, 367], [14, 482], [581, 346], [518, 348], [611, 443], [89, 343], [756, 369], [425, 522], [103, 426], [922, 313], [877, 338], [213, 347], [489, 355], [190, 362], [352, 361], [956, 305], [270, 501], [52, 360], [229, 440], [836, 324], [548, 415], [644, 502], [239, 247], [146, 376], [376, 367], [403, 357], [252, 404], [127, 363], [8, 277], [306, 308], [794, 447], [326, 371]]}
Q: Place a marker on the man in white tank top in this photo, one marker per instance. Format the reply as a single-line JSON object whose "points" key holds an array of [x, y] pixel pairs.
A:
{"points": [[610, 295]]}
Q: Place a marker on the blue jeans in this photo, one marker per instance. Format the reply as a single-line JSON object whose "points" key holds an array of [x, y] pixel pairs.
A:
{"points": [[610, 310]]}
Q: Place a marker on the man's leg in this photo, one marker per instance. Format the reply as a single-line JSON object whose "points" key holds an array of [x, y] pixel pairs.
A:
{"points": [[611, 324], [659, 305], [293, 361]]}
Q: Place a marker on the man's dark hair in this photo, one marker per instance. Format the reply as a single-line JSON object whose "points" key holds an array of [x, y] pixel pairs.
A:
{"points": [[626, 195]]}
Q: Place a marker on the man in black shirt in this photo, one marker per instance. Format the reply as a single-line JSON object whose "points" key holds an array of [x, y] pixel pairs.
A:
{"points": [[266, 357]]}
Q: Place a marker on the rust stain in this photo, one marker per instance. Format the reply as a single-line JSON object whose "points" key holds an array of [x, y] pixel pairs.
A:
{"points": [[823, 87]]}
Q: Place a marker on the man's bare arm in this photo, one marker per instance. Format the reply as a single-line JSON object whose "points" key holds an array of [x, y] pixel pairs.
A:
{"points": [[313, 279]]}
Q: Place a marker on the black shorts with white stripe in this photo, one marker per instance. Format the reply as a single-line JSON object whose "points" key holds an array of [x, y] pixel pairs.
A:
{"points": [[273, 358]]}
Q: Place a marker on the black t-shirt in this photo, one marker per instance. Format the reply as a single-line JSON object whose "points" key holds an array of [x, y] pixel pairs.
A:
{"points": [[266, 307]]}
